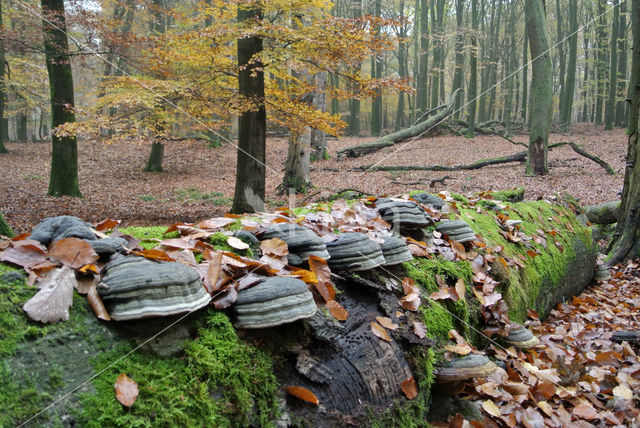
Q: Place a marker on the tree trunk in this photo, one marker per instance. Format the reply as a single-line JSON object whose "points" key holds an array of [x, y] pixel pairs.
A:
{"points": [[354, 103], [613, 70], [473, 66], [3, 94], [459, 55], [621, 106], [63, 179], [541, 89], [525, 75], [154, 163], [601, 60], [376, 73], [561, 55], [423, 58], [567, 105], [626, 242], [297, 173], [250, 170], [318, 138], [511, 55], [21, 127]]}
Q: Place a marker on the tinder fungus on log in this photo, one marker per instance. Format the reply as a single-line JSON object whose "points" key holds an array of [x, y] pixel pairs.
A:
{"points": [[275, 301], [395, 251], [302, 242], [134, 287], [405, 214], [457, 230], [468, 367], [522, 338], [53, 228], [354, 252], [428, 199]]}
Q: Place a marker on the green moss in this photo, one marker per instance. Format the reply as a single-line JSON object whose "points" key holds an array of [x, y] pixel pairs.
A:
{"points": [[512, 195], [220, 242], [5, 229], [148, 235], [220, 382], [459, 198]]}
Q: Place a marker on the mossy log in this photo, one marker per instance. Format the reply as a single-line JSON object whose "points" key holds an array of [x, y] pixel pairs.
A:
{"points": [[605, 213], [402, 135], [5, 229], [202, 370]]}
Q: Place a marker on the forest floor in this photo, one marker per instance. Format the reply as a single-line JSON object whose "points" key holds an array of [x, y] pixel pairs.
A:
{"points": [[198, 181]]}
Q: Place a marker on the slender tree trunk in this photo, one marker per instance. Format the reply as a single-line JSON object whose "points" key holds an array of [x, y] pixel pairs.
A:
{"points": [[437, 16], [21, 127], [601, 60], [511, 55], [525, 75], [459, 55], [570, 81], [249, 192], [541, 89], [376, 73], [354, 103], [3, 94], [621, 106], [297, 173], [423, 58], [561, 55], [156, 156], [473, 66], [335, 102], [318, 138], [626, 242], [613, 71], [63, 179], [585, 80]]}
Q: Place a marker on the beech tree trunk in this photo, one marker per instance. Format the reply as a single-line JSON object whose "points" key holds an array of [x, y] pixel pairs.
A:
{"points": [[423, 59], [156, 156], [63, 179], [3, 149], [250, 168], [610, 110], [621, 106], [570, 81], [626, 242], [541, 89], [473, 66]]}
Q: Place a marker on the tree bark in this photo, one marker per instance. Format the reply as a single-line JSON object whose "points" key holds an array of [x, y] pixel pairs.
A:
{"points": [[354, 103], [154, 162], [613, 71], [473, 66], [459, 55], [626, 241], [63, 179], [3, 148], [541, 89], [525, 75], [570, 81], [376, 73], [400, 136], [621, 106], [423, 58], [249, 192]]}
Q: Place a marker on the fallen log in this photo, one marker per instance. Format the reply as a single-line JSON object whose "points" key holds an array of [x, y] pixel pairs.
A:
{"points": [[605, 213], [517, 157], [402, 135]]}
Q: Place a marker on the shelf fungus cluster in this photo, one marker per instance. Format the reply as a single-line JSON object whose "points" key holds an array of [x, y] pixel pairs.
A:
{"points": [[456, 230], [430, 200], [302, 242], [403, 214], [354, 252], [275, 301], [134, 287], [395, 251], [463, 368]]}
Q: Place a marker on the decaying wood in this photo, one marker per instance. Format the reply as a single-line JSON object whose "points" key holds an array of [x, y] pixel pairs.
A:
{"points": [[630, 336], [517, 157], [402, 135], [605, 213]]}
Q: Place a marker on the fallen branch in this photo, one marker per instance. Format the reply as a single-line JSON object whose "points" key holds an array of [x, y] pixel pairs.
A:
{"points": [[518, 157], [402, 135]]}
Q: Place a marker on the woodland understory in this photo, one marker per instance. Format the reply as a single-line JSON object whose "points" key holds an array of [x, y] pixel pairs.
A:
{"points": [[195, 183]]}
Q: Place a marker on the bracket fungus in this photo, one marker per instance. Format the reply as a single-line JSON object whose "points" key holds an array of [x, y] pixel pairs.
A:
{"points": [[457, 230], [521, 337], [405, 214], [468, 367], [302, 242], [65, 226], [354, 252], [428, 199], [395, 251], [275, 301], [134, 287]]}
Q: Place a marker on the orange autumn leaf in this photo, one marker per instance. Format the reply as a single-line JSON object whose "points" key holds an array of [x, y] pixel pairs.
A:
{"points": [[409, 388], [107, 224], [387, 323], [95, 302], [73, 252], [337, 310], [126, 390], [89, 268], [302, 393], [154, 254]]}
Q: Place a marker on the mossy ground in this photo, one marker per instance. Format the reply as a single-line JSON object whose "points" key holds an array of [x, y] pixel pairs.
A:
{"points": [[5, 229]]}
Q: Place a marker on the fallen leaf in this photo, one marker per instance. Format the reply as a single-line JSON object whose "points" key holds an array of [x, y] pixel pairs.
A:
{"points": [[409, 388], [126, 390], [490, 407], [154, 254], [106, 224], [420, 329], [95, 302], [623, 391], [24, 253], [275, 247], [387, 323], [302, 393], [89, 268], [460, 288], [73, 252], [337, 311], [55, 297], [236, 243], [379, 331], [585, 411], [225, 298]]}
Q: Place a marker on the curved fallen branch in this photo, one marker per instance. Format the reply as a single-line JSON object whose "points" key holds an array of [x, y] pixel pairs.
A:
{"points": [[402, 135], [518, 157]]}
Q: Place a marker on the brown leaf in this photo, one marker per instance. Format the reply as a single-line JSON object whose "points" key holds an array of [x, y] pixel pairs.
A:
{"points": [[387, 323], [410, 302], [55, 297], [420, 329], [585, 411], [409, 388], [90, 268], [320, 267], [444, 294], [491, 408], [215, 223], [225, 298], [25, 253], [95, 302], [302, 393], [154, 254], [275, 247], [337, 310], [106, 224], [305, 275], [379, 331], [460, 288], [73, 252], [126, 390]]}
